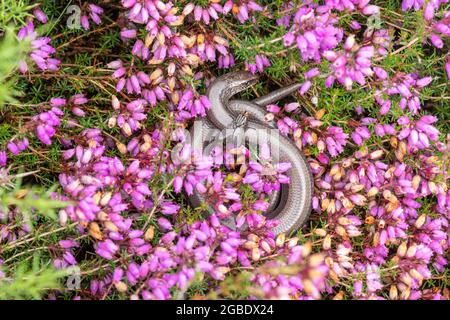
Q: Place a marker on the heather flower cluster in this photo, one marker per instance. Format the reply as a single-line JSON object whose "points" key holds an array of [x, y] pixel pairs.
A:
{"points": [[42, 50], [93, 13], [117, 139]]}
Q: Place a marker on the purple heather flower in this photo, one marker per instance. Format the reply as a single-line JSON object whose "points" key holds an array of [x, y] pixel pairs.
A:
{"points": [[313, 32], [447, 68], [3, 158], [242, 9], [351, 65], [360, 135], [260, 63], [41, 50], [335, 140], [40, 15]]}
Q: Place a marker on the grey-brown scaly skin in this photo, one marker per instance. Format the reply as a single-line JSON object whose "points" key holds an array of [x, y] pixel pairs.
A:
{"points": [[294, 205], [220, 92], [291, 205], [277, 95]]}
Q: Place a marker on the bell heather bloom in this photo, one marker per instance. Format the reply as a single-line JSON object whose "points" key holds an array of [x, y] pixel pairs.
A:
{"points": [[436, 29], [313, 32], [351, 65], [241, 9], [351, 5], [13, 223], [128, 117], [408, 4], [260, 63], [93, 12], [285, 20], [380, 39], [190, 106], [418, 4], [41, 52], [307, 282], [161, 40], [211, 47], [107, 249], [138, 82], [16, 146], [265, 176], [144, 11], [40, 15], [193, 170], [226, 61], [47, 122], [3, 158], [439, 30], [76, 102], [419, 133], [408, 86], [335, 140], [205, 14], [360, 135]]}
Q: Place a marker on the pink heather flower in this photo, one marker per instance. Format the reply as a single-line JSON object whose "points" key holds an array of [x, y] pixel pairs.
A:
{"points": [[12, 147], [164, 224], [169, 208], [107, 249], [266, 177], [288, 108], [313, 32], [213, 47], [16, 147], [312, 73], [420, 133], [305, 87], [261, 62], [352, 5], [40, 15], [429, 11], [3, 158], [355, 25], [67, 244], [261, 205], [128, 117], [41, 52], [69, 258], [380, 73], [241, 9], [436, 41], [408, 86], [439, 30], [370, 10], [190, 106], [360, 135], [92, 12], [205, 15], [408, 4], [351, 65], [128, 33], [447, 68], [46, 123], [335, 141]]}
